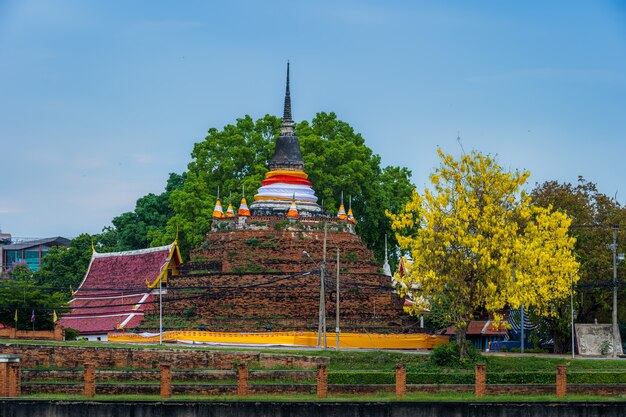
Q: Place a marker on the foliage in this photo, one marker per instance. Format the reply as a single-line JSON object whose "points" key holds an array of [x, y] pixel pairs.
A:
{"points": [[336, 160], [65, 267], [593, 215], [22, 293], [71, 334], [133, 230], [449, 356], [478, 244]]}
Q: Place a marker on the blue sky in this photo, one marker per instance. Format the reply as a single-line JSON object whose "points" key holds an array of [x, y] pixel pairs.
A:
{"points": [[100, 100]]}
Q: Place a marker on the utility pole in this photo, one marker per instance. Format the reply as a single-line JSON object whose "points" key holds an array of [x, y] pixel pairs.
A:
{"points": [[321, 327], [337, 331], [324, 287], [614, 318]]}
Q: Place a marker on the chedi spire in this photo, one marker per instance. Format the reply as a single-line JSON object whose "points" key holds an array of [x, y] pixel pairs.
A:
{"points": [[286, 182], [287, 153]]}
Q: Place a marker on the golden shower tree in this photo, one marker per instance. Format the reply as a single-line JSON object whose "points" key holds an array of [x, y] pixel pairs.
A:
{"points": [[478, 244]]}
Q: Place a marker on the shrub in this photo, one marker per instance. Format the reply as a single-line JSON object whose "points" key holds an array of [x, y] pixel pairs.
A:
{"points": [[449, 356], [71, 334], [252, 241], [189, 313]]}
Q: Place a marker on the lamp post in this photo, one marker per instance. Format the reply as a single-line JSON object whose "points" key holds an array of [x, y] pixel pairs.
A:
{"points": [[614, 315], [337, 331], [571, 280]]}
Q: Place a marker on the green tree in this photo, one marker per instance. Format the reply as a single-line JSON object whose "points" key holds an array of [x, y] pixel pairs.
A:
{"points": [[336, 159], [133, 229], [593, 215], [24, 294], [65, 267]]}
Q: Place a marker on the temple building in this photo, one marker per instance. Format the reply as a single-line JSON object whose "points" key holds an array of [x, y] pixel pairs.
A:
{"points": [[118, 289], [259, 270]]}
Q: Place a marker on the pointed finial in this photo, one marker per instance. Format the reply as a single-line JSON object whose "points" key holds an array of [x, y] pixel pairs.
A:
{"points": [[386, 267], [243, 190], [93, 246], [287, 128], [218, 192]]}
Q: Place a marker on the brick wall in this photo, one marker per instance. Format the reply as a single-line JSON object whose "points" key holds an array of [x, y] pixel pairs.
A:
{"points": [[74, 356], [10, 333]]}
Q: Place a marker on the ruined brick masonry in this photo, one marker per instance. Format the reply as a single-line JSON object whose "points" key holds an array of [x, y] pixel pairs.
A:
{"points": [[248, 273], [71, 357]]}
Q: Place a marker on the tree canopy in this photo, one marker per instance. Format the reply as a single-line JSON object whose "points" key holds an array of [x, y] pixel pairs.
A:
{"points": [[336, 159], [593, 214], [22, 293], [478, 244], [133, 229]]}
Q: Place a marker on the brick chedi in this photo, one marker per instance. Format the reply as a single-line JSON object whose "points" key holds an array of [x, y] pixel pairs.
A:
{"points": [[250, 273]]}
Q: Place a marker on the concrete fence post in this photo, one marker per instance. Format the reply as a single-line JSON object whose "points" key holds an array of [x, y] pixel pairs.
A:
{"points": [[400, 381], [15, 380], [481, 380], [242, 379], [561, 380], [166, 380], [322, 381], [89, 389], [10, 380]]}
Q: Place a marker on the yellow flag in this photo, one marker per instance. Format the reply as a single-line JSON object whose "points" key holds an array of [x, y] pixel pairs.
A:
{"points": [[71, 290], [54, 316], [15, 315]]}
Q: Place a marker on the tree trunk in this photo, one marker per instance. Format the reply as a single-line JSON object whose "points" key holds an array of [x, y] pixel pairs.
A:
{"points": [[461, 340]]}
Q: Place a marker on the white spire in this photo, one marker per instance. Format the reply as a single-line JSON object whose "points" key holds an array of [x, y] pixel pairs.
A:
{"points": [[386, 267]]}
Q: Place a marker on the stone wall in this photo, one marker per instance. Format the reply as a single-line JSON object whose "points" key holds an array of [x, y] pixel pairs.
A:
{"points": [[70, 357]]}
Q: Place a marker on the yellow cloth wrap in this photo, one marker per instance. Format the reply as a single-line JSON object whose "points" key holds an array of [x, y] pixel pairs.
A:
{"points": [[347, 340], [272, 198], [297, 174]]}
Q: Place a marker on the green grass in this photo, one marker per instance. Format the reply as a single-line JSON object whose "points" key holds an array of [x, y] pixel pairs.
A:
{"points": [[380, 397]]}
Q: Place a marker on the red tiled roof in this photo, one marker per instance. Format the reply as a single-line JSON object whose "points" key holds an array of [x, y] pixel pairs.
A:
{"points": [[124, 277], [124, 270], [100, 325], [482, 327]]}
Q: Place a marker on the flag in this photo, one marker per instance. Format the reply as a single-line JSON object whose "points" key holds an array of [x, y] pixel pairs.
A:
{"points": [[54, 316], [32, 317], [15, 318], [71, 290]]}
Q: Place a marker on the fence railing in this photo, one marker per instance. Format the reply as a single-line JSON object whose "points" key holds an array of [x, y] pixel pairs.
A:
{"points": [[243, 382]]}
